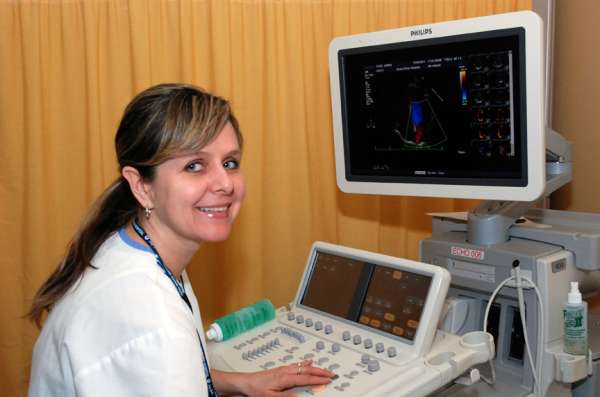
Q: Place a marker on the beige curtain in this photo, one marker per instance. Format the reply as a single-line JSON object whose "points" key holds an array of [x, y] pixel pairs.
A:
{"points": [[69, 67]]}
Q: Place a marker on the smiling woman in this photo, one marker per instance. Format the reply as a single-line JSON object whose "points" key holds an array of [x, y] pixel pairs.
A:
{"points": [[122, 316], [192, 197]]}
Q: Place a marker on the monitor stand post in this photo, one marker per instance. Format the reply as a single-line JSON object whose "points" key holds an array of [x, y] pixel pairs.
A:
{"points": [[489, 222]]}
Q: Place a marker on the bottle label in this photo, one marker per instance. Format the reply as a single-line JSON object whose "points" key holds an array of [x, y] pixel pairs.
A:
{"points": [[573, 318], [575, 338]]}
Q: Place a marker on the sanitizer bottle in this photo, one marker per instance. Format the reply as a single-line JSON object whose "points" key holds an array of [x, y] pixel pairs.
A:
{"points": [[240, 321], [575, 315]]}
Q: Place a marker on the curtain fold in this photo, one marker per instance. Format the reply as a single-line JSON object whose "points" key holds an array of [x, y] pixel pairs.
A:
{"points": [[69, 68]]}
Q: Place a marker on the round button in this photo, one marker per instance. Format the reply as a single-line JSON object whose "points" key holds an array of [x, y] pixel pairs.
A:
{"points": [[365, 359], [391, 351], [346, 335], [373, 365], [335, 347], [299, 319], [318, 325], [328, 329], [291, 316], [368, 343], [320, 345], [309, 322], [357, 339], [379, 347]]}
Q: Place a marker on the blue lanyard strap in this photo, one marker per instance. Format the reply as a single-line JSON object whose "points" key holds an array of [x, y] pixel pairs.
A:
{"points": [[212, 392], [144, 236]]}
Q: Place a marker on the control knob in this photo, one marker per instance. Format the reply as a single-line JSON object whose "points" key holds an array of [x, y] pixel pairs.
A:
{"points": [[391, 351], [373, 365]]}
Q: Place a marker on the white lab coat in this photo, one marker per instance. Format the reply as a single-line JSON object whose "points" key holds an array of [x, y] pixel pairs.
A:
{"points": [[123, 330]]}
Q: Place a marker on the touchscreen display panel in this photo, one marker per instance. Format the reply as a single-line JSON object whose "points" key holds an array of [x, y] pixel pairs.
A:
{"points": [[394, 301], [333, 285]]}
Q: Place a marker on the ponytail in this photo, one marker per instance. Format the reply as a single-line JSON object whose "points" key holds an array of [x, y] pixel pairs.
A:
{"points": [[112, 210]]}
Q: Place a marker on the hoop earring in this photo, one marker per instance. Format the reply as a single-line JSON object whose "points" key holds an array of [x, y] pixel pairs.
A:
{"points": [[148, 212]]}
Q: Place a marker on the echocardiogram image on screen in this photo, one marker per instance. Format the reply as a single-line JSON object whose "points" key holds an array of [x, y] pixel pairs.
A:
{"points": [[436, 112]]}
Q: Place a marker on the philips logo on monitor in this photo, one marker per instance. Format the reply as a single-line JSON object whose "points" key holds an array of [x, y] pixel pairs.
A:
{"points": [[421, 32]]}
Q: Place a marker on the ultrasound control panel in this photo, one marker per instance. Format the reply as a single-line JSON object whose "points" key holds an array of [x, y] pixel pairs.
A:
{"points": [[377, 296], [369, 318]]}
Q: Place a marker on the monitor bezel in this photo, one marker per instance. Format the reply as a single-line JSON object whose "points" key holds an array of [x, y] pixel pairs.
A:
{"points": [[471, 188]]}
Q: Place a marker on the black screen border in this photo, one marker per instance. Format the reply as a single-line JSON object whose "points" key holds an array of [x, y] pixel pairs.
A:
{"points": [[523, 181]]}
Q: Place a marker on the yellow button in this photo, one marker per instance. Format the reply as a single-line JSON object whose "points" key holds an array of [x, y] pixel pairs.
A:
{"points": [[364, 319], [398, 330], [397, 275], [413, 324], [389, 316], [375, 323]]}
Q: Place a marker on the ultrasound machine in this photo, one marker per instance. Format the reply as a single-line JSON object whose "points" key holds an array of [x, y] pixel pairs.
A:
{"points": [[453, 109]]}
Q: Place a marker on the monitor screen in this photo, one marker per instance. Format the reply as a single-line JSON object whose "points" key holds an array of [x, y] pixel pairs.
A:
{"points": [[443, 113], [448, 114]]}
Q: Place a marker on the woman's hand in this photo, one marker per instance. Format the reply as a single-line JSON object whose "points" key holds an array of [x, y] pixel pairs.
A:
{"points": [[276, 382]]}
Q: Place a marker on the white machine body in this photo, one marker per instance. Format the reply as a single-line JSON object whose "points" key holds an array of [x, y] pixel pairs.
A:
{"points": [[372, 348]]}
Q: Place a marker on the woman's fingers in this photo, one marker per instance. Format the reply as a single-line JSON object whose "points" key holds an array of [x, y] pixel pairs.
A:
{"points": [[304, 374], [281, 381]]}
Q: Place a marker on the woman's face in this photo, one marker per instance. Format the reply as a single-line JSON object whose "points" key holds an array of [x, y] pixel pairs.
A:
{"points": [[197, 197]]}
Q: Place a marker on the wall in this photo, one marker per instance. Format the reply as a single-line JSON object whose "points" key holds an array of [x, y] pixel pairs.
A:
{"points": [[577, 102]]}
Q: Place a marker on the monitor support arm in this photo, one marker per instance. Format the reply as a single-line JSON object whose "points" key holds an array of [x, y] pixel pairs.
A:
{"points": [[559, 168], [489, 222]]}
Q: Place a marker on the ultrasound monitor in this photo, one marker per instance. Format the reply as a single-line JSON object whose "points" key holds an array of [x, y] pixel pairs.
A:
{"points": [[397, 298], [450, 109]]}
